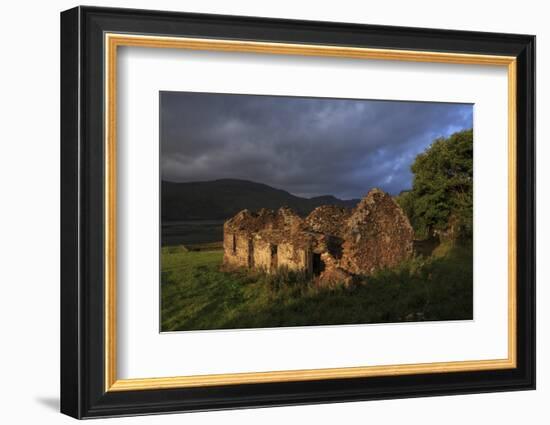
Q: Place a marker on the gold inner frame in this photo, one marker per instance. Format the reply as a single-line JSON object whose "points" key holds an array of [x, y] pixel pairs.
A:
{"points": [[113, 41]]}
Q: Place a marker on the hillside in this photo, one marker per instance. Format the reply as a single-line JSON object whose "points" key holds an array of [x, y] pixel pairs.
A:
{"points": [[221, 199]]}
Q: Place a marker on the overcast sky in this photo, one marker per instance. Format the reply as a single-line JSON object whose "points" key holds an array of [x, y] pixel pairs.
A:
{"points": [[307, 146]]}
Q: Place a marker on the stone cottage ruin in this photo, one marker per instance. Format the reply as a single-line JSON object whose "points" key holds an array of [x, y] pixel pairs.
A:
{"points": [[332, 244]]}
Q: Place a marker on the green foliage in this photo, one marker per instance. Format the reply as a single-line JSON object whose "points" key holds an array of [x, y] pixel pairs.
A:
{"points": [[441, 199], [197, 294], [406, 201]]}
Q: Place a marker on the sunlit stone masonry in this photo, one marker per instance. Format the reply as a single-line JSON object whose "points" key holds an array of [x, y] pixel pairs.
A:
{"points": [[332, 244]]}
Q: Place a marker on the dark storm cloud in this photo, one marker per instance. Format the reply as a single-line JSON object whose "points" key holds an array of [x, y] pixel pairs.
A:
{"points": [[307, 146]]}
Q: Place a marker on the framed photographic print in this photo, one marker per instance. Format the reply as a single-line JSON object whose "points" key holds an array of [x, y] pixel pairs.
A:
{"points": [[261, 212]]}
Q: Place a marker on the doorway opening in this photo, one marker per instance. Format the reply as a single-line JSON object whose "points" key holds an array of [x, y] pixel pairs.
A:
{"points": [[318, 265]]}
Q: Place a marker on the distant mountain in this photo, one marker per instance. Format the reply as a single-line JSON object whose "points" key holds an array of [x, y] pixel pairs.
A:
{"points": [[221, 199]]}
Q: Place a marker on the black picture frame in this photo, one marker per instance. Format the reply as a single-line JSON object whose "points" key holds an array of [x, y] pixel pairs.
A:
{"points": [[83, 392]]}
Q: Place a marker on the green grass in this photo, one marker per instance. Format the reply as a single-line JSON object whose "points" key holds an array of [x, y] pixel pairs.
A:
{"points": [[197, 294]]}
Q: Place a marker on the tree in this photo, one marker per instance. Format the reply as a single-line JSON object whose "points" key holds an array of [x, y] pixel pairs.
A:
{"points": [[441, 199]]}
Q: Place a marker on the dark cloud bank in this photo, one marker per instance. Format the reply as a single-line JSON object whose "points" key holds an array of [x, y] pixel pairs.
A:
{"points": [[307, 146]]}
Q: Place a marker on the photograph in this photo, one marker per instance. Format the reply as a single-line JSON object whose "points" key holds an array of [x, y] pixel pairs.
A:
{"points": [[281, 211]]}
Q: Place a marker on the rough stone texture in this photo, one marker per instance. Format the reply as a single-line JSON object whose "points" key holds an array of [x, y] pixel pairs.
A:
{"points": [[262, 255], [237, 235], [332, 244], [333, 273], [237, 249], [292, 257], [329, 219], [378, 235]]}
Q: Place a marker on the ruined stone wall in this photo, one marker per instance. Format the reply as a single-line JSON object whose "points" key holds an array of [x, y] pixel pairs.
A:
{"points": [[333, 274], [292, 257], [262, 255], [329, 220], [236, 249], [333, 244], [379, 235]]}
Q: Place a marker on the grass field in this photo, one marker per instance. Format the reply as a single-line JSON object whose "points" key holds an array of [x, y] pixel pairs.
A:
{"points": [[196, 294]]}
